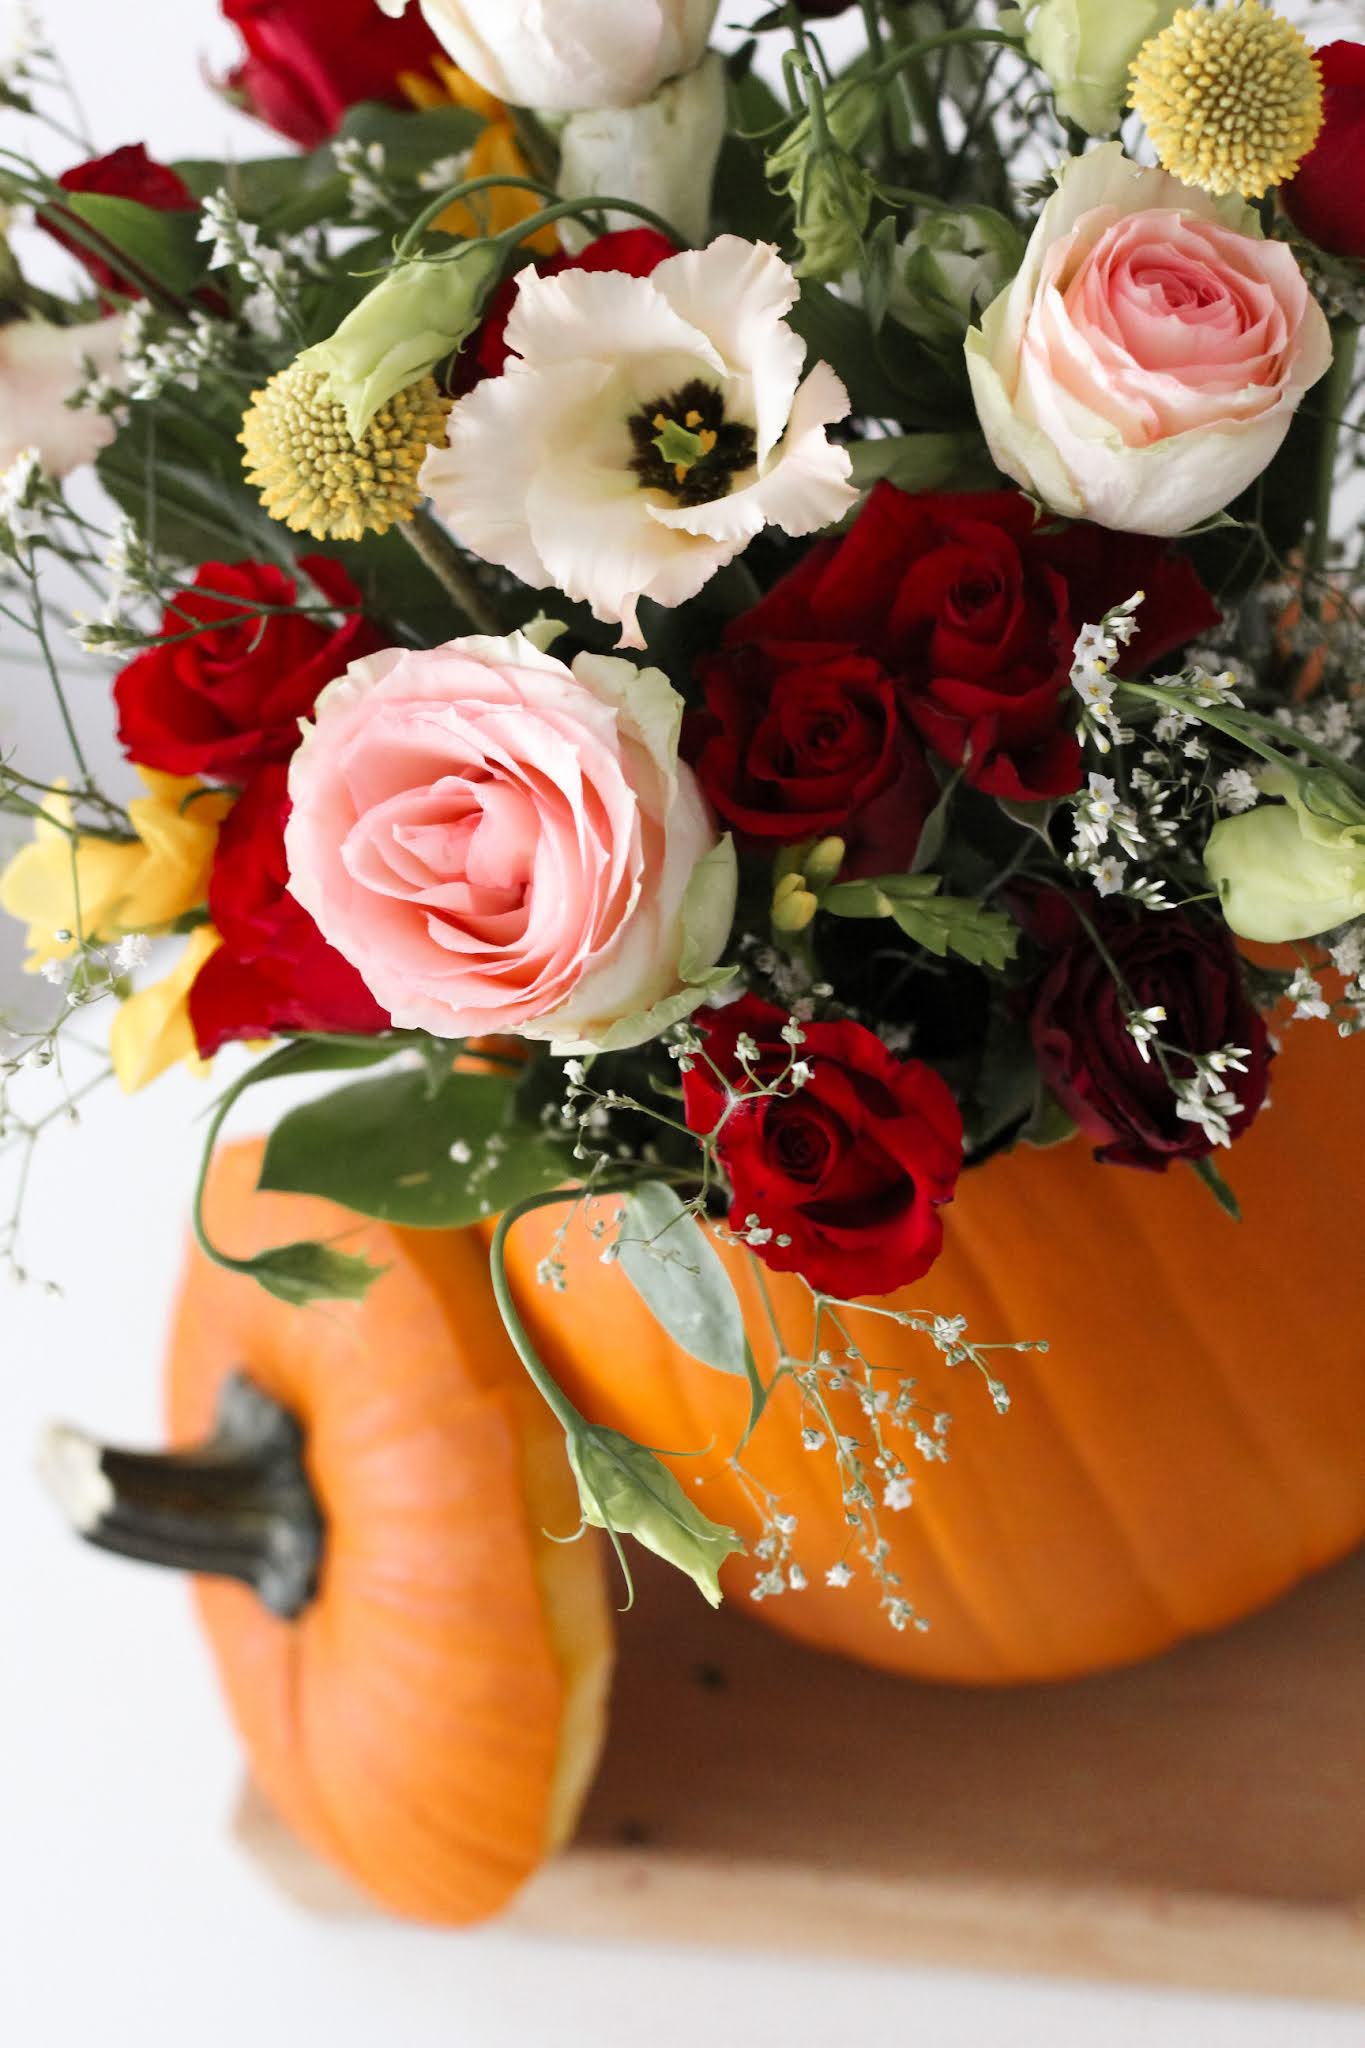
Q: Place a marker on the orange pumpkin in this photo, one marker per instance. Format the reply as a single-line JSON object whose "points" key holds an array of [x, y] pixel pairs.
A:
{"points": [[430, 1716], [1192, 1444]]}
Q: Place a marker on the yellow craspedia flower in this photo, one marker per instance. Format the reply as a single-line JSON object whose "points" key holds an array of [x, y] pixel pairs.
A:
{"points": [[312, 475], [66, 885], [1232, 97], [152, 1029]]}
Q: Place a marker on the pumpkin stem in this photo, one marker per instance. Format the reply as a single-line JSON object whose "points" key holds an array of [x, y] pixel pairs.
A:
{"points": [[239, 1506]]}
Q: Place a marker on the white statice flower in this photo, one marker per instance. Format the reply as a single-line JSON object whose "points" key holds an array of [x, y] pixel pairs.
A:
{"points": [[1236, 790], [898, 1494], [838, 1575], [644, 430]]}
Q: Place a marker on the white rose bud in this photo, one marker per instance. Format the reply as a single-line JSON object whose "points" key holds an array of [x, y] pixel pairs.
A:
{"points": [[562, 55], [662, 154]]}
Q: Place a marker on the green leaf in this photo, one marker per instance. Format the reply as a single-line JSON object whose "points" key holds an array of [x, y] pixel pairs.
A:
{"points": [[921, 462], [308, 1271], [383, 1148], [677, 1272], [1218, 1188], [959, 924], [163, 247], [1035, 818], [935, 828]]}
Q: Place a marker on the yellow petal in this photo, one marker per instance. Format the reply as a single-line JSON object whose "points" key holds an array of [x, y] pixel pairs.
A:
{"points": [[178, 831], [152, 1029], [48, 879], [497, 152]]}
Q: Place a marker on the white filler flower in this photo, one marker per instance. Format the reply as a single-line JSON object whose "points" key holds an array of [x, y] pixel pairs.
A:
{"points": [[644, 430]]}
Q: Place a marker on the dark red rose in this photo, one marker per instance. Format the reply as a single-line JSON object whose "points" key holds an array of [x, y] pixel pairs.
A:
{"points": [[636, 251], [1325, 198], [274, 970], [127, 173], [974, 606], [219, 703], [308, 61], [1089, 1058], [808, 744], [849, 1171]]}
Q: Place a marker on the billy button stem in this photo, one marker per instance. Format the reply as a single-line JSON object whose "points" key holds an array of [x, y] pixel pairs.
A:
{"points": [[238, 1506]]}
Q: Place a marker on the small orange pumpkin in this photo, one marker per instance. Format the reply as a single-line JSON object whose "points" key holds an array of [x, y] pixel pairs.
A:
{"points": [[1192, 1444], [429, 1717]]}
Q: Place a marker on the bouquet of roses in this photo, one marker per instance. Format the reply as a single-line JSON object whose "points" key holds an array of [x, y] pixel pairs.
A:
{"points": [[742, 631]]}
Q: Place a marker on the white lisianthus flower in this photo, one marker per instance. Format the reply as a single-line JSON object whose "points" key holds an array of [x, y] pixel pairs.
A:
{"points": [[561, 55], [40, 367], [662, 154], [644, 430]]}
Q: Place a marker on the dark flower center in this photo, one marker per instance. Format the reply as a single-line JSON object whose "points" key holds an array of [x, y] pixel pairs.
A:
{"points": [[685, 446]]}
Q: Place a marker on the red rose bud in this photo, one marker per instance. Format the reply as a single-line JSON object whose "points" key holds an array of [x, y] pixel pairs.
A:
{"points": [[1089, 1057], [797, 743], [127, 173], [308, 61], [973, 606], [845, 1174], [274, 971], [636, 251], [222, 701], [1325, 198]]}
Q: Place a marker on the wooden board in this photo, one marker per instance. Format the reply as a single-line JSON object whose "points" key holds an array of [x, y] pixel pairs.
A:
{"points": [[1198, 1821]]}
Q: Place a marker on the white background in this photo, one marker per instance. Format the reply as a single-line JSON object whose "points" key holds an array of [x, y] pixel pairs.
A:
{"points": [[126, 1913]]}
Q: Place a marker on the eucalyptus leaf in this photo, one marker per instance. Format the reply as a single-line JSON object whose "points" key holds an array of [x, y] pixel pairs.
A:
{"points": [[678, 1274], [429, 1158]]}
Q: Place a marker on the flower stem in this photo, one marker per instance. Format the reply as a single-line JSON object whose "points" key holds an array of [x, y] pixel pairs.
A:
{"points": [[427, 538], [1336, 393]]}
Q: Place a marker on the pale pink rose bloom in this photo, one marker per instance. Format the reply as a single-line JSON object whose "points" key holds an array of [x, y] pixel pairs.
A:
{"points": [[498, 843], [40, 366], [1145, 364]]}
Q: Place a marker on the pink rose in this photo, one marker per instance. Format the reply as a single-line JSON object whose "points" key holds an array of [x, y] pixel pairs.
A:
{"points": [[498, 843], [1144, 365]]}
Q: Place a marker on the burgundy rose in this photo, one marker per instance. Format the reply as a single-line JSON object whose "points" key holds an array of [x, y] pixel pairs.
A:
{"points": [[973, 605], [1325, 198], [308, 61], [127, 173], [849, 1171], [274, 971], [637, 251], [811, 743], [1088, 1056], [221, 701]]}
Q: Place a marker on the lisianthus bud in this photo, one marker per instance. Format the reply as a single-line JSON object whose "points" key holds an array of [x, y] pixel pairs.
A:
{"points": [[1085, 47], [622, 1486], [1291, 870], [662, 153], [415, 315], [949, 268], [828, 185]]}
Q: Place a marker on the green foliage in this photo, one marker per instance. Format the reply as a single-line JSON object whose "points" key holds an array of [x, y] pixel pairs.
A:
{"points": [[175, 468], [308, 1271], [622, 1487], [161, 248], [941, 924], [384, 1147]]}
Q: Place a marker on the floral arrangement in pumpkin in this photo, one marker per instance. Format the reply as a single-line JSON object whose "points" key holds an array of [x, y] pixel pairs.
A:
{"points": [[742, 634]]}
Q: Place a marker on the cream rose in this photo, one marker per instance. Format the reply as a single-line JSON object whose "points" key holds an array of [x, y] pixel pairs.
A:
{"points": [[562, 55], [1145, 364], [498, 843]]}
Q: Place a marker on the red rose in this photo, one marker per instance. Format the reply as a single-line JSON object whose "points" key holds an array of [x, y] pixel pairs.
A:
{"points": [[974, 606], [308, 61], [127, 173], [220, 702], [637, 251], [1325, 198], [811, 743], [848, 1171], [274, 971], [1089, 1058]]}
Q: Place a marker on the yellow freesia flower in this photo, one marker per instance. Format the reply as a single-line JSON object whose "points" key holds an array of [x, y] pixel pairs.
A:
{"points": [[496, 149], [85, 886], [152, 1029]]}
